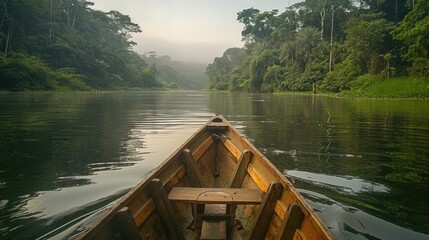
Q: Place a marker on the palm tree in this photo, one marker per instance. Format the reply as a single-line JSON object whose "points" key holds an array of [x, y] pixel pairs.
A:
{"points": [[288, 51], [307, 41]]}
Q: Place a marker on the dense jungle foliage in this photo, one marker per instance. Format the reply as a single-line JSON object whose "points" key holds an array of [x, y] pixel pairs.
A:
{"points": [[327, 45], [67, 45]]}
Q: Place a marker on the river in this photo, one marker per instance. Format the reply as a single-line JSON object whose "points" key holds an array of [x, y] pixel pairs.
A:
{"points": [[362, 164]]}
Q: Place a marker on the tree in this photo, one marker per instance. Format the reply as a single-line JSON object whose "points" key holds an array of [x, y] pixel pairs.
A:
{"points": [[123, 27], [413, 31], [307, 40], [248, 18], [92, 45], [20, 18], [368, 39], [75, 8], [25, 73], [313, 13], [258, 26], [321, 6], [294, 45], [288, 52], [344, 73], [258, 66], [5, 26], [393, 10], [332, 38], [288, 23], [273, 78], [221, 70], [218, 72]]}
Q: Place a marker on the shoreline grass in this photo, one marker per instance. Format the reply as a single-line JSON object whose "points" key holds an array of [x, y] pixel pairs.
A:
{"points": [[367, 86], [371, 86]]}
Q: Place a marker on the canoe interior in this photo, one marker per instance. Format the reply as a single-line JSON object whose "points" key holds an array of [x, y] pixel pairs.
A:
{"points": [[217, 150]]}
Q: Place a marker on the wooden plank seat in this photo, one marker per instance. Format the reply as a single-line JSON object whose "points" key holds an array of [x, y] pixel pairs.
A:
{"points": [[215, 195]]}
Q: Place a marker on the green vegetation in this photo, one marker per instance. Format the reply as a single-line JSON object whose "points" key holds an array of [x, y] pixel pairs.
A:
{"points": [[67, 45], [314, 45], [368, 48], [401, 87], [24, 73]]}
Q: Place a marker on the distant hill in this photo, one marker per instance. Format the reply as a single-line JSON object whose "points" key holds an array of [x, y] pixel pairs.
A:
{"points": [[178, 73]]}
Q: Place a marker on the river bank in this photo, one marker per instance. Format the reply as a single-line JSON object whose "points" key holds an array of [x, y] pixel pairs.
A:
{"points": [[394, 88]]}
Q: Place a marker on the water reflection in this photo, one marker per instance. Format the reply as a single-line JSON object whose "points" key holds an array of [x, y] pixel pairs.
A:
{"points": [[67, 154], [330, 141], [344, 184]]}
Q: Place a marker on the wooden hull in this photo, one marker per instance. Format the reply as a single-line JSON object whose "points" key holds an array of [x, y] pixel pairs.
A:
{"points": [[215, 157]]}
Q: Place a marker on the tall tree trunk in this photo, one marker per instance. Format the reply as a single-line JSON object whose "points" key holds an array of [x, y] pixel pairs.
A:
{"points": [[3, 19], [74, 20], [322, 13], [396, 11], [332, 37], [322, 26], [51, 22], [69, 9], [68, 17], [6, 49], [388, 68]]}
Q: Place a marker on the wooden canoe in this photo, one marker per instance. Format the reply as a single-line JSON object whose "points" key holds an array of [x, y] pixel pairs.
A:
{"points": [[217, 185]]}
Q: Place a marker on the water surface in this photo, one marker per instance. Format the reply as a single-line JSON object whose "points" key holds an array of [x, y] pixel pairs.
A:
{"points": [[362, 164]]}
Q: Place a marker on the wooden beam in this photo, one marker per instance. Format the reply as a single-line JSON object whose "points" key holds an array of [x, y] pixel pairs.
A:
{"points": [[299, 235], [230, 146], [192, 169], [165, 210], [175, 178], [256, 176], [125, 225], [280, 210], [266, 211], [144, 212], [216, 167], [203, 148], [241, 170], [291, 223]]}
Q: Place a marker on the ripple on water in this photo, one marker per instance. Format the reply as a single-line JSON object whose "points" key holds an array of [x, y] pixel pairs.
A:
{"points": [[344, 184], [347, 222]]}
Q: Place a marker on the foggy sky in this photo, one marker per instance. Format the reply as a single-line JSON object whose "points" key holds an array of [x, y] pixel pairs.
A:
{"points": [[188, 30]]}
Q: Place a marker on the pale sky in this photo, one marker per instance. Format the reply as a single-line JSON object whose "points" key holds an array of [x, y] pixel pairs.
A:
{"points": [[188, 30]]}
